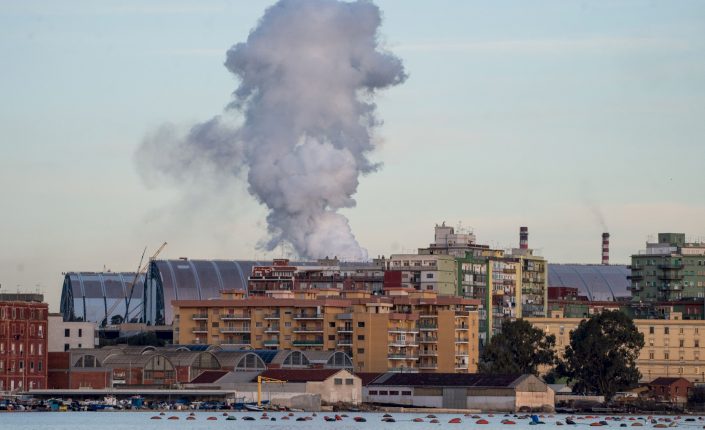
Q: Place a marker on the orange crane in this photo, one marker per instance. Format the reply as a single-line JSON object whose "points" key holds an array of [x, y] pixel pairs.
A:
{"points": [[261, 380]]}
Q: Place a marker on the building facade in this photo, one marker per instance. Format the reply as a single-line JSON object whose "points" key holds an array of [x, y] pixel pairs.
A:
{"points": [[437, 273], [23, 345], [65, 335], [672, 347], [404, 330], [669, 270]]}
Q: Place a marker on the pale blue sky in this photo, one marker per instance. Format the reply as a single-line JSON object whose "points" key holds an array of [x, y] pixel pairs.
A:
{"points": [[515, 113]]}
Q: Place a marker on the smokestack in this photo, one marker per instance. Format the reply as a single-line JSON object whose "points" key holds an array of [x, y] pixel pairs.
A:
{"points": [[605, 249], [523, 237]]}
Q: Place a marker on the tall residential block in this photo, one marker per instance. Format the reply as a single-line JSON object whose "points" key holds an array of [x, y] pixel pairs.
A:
{"points": [[404, 330], [23, 342], [669, 270]]}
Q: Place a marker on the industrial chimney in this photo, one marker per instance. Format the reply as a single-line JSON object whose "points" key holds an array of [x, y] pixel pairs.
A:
{"points": [[523, 237], [605, 249]]}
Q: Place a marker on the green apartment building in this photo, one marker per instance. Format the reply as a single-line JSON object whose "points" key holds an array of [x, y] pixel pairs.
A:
{"points": [[669, 270]]}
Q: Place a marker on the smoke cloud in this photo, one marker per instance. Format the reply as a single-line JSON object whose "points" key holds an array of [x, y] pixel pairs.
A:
{"points": [[308, 74]]}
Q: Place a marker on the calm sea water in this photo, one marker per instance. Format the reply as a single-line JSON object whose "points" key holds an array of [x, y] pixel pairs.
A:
{"points": [[142, 421]]}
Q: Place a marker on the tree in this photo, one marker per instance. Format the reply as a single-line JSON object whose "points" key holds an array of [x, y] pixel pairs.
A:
{"points": [[519, 348], [601, 357]]}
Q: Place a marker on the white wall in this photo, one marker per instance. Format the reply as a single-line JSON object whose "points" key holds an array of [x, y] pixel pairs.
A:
{"points": [[57, 339]]}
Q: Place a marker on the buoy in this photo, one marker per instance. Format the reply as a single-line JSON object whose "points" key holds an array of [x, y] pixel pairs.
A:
{"points": [[482, 421], [454, 421]]}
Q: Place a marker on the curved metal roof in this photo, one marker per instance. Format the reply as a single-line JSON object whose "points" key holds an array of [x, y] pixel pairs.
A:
{"points": [[595, 281], [95, 296]]}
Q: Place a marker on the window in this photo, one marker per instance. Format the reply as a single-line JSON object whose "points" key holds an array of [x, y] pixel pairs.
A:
{"points": [[651, 356], [680, 330], [338, 381], [361, 324], [67, 332], [80, 332], [331, 337], [651, 330], [383, 393], [331, 324], [681, 343], [429, 276], [406, 393], [360, 337], [696, 343], [348, 381], [39, 365], [66, 347], [361, 350], [394, 393], [373, 392], [287, 324], [665, 356], [665, 330], [258, 324]]}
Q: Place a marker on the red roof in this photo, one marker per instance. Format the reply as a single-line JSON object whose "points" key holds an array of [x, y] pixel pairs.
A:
{"points": [[299, 375], [209, 376], [368, 377]]}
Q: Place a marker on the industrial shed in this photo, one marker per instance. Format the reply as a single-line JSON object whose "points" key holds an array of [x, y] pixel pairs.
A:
{"points": [[597, 282], [509, 393], [101, 296]]}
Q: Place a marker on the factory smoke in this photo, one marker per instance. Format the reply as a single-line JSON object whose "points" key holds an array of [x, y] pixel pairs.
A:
{"points": [[308, 74]]}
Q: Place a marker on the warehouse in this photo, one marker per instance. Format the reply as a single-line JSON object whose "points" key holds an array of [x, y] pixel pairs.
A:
{"points": [[508, 393]]}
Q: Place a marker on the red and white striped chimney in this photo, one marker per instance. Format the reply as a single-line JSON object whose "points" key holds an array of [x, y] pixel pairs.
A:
{"points": [[523, 237], [605, 248]]}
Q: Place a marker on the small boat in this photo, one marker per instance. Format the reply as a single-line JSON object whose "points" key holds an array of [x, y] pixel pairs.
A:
{"points": [[248, 418], [173, 418], [389, 420], [155, 418], [301, 419], [570, 421], [253, 408], [327, 418], [230, 418], [596, 424], [434, 421], [508, 422], [482, 421], [360, 419], [430, 416], [212, 418], [190, 418], [559, 423], [454, 421], [285, 417], [417, 420], [637, 424], [386, 416]]}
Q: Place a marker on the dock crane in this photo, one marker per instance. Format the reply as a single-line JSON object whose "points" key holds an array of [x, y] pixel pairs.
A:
{"points": [[141, 268], [262, 380]]}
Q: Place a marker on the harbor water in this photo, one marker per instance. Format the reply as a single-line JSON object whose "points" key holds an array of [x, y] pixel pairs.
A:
{"points": [[283, 420]]}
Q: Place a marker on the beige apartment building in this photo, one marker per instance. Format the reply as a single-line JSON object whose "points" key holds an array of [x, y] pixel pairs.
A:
{"points": [[672, 347], [404, 330], [437, 273]]}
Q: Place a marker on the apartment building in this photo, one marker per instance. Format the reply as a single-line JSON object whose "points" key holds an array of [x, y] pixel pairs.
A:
{"points": [[672, 347], [404, 330], [438, 273], [669, 270], [23, 342], [65, 335]]}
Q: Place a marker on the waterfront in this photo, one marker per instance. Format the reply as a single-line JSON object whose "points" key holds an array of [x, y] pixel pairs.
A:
{"points": [[404, 421]]}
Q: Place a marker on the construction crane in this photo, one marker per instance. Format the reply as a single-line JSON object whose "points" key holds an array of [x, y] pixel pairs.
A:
{"points": [[141, 268], [262, 380]]}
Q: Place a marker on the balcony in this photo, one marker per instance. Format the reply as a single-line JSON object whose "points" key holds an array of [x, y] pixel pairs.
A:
{"points": [[428, 353], [403, 370], [674, 265], [670, 276], [308, 330], [428, 316], [345, 342], [238, 345], [428, 366], [199, 330], [272, 316], [462, 354], [234, 317], [197, 317], [403, 343], [403, 357], [271, 342], [428, 327], [461, 340], [308, 342], [345, 330], [272, 329], [462, 328], [636, 276], [346, 316], [234, 329], [308, 317], [427, 340], [402, 331]]}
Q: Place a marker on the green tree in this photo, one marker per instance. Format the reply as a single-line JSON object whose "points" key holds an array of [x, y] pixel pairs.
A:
{"points": [[519, 348], [601, 357]]}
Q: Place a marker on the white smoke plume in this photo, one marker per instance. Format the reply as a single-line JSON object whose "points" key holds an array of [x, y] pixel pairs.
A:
{"points": [[308, 73]]}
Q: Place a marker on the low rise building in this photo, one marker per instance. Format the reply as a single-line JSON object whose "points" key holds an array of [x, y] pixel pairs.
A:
{"points": [[507, 393], [404, 330], [23, 342], [670, 390], [672, 347]]}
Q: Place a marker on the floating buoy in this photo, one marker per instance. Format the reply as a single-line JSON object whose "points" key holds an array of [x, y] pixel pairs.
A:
{"points": [[454, 421], [482, 421]]}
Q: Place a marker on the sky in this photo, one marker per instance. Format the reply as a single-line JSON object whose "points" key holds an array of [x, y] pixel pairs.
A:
{"points": [[569, 117]]}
